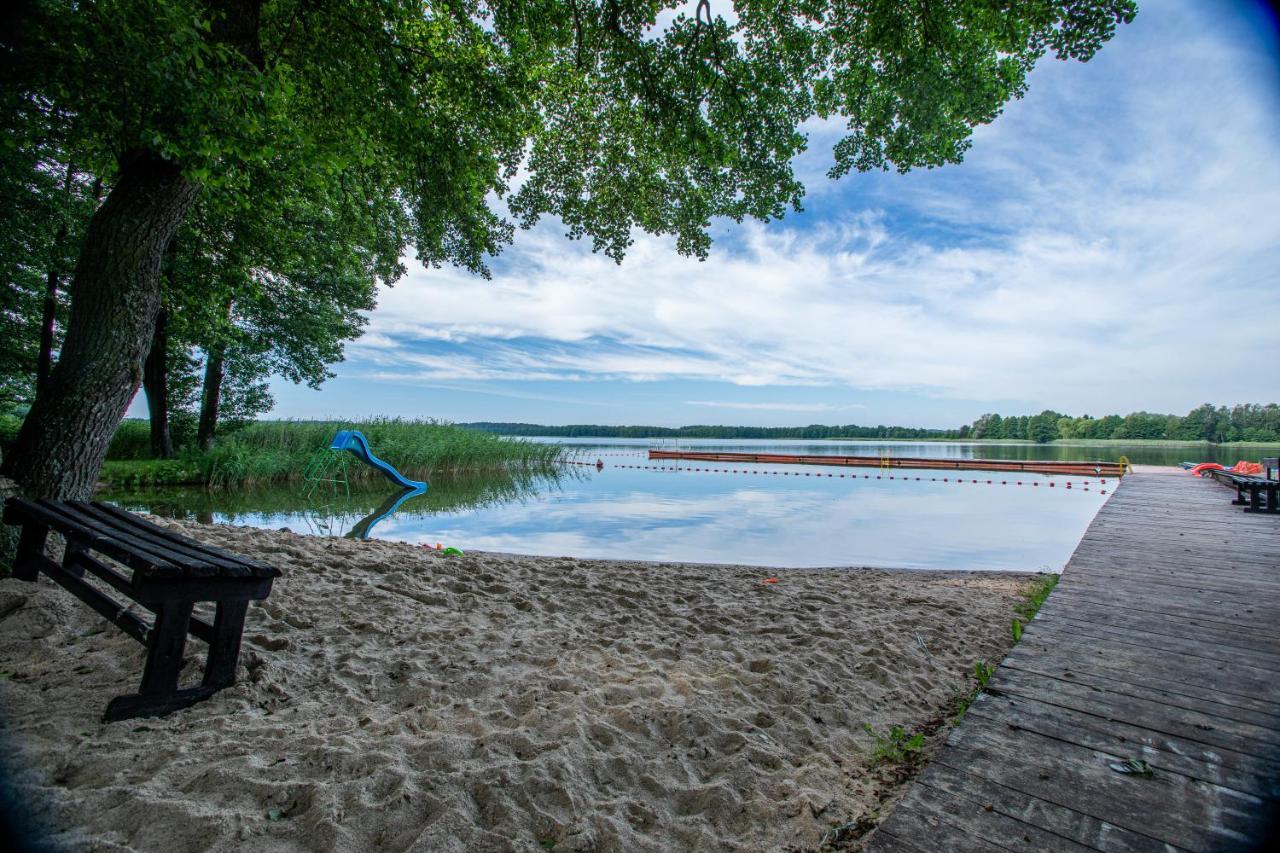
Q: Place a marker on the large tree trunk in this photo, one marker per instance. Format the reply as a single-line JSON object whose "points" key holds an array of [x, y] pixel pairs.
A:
{"points": [[114, 300], [155, 382], [44, 359], [211, 398]]}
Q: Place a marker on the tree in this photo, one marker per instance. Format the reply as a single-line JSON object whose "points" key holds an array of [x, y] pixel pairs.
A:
{"points": [[276, 288], [617, 125], [48, 202], [1043, 428]]}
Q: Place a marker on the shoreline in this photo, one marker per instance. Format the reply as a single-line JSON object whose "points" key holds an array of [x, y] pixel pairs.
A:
{"points": [[395, 698]]}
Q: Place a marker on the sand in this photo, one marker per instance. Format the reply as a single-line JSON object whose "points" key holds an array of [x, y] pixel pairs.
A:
{"points": [[394, 699]]}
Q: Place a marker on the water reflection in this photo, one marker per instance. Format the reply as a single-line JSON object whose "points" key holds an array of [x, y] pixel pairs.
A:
{"points": [[1164, 453], [768, 515], [394, 501], [334, 510]]}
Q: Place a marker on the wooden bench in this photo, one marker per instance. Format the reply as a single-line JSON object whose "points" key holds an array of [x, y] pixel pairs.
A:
{"points": [[169, 575], [1262, 492]]}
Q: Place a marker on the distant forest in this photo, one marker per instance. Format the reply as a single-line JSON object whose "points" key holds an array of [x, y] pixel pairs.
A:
{"points": [[1246, 422]]}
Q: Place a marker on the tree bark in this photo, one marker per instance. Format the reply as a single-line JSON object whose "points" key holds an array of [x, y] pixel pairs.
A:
{"points": [[211, 398], [115, 297], [44, 358], [155, 382]]}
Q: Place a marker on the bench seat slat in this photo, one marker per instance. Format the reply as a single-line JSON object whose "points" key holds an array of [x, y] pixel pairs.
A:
{"points": [[212, 553], [131, 543], [198, 565], [111, 543]]}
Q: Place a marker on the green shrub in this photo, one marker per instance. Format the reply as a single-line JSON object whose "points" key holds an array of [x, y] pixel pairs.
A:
{"points": [[145, 473], [895, 745], [131, 441]]}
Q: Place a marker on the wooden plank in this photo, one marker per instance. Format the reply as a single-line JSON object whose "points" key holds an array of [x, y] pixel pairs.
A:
{"points": [[194, 566], [1062, 664], [1220, 616], [158, 539], [1200, 645], [1192, 815], [180, 542], [1223, 583], [1058, 821], [1241, 771], [971, 826], [887, 843], [1091, 688], [110, 541], [1188, 673], [1259, 640], [931, 829], [1087, 469], [1160, 643]]}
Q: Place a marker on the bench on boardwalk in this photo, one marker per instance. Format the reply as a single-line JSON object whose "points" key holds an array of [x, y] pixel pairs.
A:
{"points": [[1255, 494], [168, 575]]}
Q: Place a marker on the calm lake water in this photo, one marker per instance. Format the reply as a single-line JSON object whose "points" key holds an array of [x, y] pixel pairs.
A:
{"points": [[766, 515]]}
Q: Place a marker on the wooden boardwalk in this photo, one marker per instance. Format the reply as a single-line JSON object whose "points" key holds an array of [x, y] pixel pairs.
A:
{"points": [[1161, 643]]}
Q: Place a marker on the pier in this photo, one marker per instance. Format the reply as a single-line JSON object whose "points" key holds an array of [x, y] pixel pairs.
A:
{"points": [[1080, 469], [1158, 652]]}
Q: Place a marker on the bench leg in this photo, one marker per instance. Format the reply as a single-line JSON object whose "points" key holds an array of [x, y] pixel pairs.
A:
{"points": [[165, 646], [69, 562], [224, 651], [26, 563], [159, 693]]}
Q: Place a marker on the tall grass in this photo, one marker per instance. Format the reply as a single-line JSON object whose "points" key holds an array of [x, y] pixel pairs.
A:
{"points": [[466, 491], [266, 452]]}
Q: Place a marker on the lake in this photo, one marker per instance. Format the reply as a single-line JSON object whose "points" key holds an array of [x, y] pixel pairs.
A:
{"points": [[765, 515]]}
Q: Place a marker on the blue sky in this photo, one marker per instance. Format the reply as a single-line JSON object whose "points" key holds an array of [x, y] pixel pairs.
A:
{"points": [[1111, 243]]}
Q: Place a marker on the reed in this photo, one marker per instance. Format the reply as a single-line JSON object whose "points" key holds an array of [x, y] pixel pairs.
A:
{"points": [[340, 508], [265, 452]]}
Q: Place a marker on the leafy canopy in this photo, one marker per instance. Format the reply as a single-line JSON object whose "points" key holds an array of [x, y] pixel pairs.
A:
{"points": [[466, 112]]}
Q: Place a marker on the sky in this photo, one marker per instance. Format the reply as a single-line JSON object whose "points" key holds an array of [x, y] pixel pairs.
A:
{"points": [[1110, 244]]}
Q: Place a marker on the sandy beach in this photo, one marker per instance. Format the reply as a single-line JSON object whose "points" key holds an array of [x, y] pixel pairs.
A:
{"points": [[394, 699]]}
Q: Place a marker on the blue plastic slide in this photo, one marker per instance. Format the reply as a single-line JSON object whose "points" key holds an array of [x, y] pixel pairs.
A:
{"points": [[354, 440]]}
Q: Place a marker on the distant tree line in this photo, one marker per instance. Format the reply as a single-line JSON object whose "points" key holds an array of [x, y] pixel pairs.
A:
{"points": [[1245, 422], [1220, 424], [706, 431]]}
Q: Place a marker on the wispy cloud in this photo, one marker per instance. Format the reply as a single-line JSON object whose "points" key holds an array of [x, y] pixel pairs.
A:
{"points": [[772, 407], [1113, 242]]}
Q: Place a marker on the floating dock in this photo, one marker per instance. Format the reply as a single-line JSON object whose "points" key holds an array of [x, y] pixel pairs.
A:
{"points": [[1080, 469], [1159, 647]]}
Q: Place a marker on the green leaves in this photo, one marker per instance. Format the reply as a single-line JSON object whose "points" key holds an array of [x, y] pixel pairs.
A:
{"points": [[612, 123], [983, 672], [895, 745]]}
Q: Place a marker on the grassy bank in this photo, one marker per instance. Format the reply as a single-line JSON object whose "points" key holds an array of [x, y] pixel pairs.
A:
{"points": [[266, 452], [465, 491]]}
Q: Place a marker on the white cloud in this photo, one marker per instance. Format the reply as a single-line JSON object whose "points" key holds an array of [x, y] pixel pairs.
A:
{"points": [[771, 407], [1112, 243]]}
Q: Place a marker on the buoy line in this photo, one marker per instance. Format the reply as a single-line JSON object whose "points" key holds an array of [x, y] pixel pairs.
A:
{"points": [[1083, 486]]}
